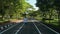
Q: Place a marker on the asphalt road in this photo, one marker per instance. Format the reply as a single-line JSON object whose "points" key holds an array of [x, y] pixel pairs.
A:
{"points": [[29, 28], [12, 30], [45, 29]]}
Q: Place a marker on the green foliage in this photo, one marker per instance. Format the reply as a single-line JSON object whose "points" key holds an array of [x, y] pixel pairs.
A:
{"points": [[13, 8], [49, 9]]}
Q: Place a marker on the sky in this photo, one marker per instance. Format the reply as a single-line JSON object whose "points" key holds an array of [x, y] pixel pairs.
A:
{"points": [[32, 2]]}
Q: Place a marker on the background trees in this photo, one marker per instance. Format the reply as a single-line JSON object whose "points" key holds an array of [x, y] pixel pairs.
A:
{"points": [[49, 9], [13, 8]]}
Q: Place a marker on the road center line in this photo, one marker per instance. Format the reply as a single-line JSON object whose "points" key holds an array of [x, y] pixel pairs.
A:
{"points": [[37, 28], [7, 29], [19, 29]]}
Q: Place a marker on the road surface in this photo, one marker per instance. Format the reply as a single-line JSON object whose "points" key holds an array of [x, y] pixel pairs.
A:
{"points": [[28, 28]]}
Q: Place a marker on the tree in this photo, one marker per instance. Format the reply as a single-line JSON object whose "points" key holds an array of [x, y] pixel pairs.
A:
{"points": [[13, 8], [47, 6], [57, 7]]}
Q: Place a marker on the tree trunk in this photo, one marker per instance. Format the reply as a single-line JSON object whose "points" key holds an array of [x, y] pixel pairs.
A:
{"points": [[59, 17], [43, 17], [50, 15], [2, 17]]}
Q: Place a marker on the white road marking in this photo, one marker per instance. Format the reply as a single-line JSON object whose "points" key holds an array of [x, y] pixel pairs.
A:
{"points": [[7, 29], [37, 28], [47, 27], [5, 26], [19, 29], [2, 28], [8, 25], [50, 28]]}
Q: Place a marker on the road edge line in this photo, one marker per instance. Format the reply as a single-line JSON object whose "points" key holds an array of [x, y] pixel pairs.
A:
{"points": [[7, 29], [50, 28]]}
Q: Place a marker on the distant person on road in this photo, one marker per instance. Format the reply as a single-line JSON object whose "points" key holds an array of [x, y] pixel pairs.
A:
{"points": [[25, 20]]}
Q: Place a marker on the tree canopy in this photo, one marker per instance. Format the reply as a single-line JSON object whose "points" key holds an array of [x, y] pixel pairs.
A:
{"points": [[13, 8]]}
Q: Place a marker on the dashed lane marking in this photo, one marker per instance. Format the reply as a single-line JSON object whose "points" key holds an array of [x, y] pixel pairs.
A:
{"points": [[37, 28], [19, 29]]}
